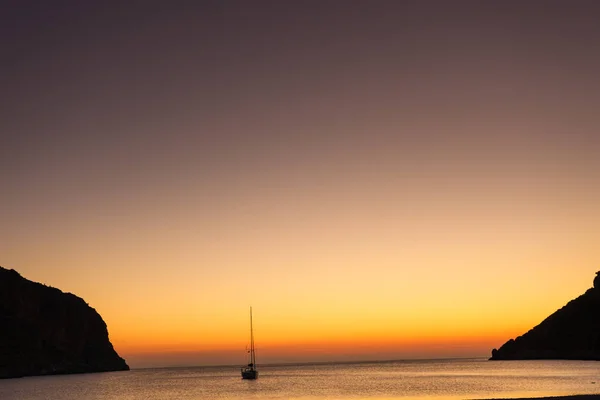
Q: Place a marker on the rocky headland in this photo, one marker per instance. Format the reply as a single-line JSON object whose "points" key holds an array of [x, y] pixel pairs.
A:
{"points": [[44, 331], [571, 333]]}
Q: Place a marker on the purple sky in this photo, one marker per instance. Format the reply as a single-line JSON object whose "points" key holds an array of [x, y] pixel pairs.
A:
{"points": [[120, 88], [102, 97]]}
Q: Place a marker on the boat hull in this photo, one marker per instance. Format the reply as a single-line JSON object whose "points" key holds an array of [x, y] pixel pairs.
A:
{"points": [[249, 374]]}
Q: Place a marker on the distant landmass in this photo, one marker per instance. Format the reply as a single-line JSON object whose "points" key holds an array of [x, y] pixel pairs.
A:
{"points": [[571, 333], [44, 331]]}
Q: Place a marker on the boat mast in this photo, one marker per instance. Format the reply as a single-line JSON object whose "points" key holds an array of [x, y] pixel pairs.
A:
{"points": [[252, 356]]}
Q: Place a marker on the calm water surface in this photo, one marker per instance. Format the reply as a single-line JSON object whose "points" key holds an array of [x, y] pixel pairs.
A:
{"points": [[422, 379]]}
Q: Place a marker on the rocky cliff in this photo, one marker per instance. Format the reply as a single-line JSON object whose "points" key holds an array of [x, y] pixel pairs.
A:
{"points": [[44, 331], [571, 333]]}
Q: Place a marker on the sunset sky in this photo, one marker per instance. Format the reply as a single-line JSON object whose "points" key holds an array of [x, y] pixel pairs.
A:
{"points": [[377, 179]]}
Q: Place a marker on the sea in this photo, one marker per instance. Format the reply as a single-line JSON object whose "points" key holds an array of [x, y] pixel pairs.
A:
{"points": [[448, 379]]}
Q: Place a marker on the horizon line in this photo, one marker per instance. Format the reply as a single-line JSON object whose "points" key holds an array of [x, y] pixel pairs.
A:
{"points": [[308, 363]]}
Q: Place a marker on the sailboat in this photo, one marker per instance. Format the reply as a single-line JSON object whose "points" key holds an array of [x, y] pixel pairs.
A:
{"points": [[250, 371]]}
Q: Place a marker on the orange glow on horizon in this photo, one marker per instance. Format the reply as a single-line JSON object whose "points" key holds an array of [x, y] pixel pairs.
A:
{"points": [[366, 349], [332, 342]]}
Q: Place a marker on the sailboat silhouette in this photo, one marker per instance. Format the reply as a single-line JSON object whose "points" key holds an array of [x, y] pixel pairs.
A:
{"points": [[250, 372]]}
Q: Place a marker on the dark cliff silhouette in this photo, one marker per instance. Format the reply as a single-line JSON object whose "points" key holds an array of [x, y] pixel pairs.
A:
{"points": [[44, 331], [571, 333]]}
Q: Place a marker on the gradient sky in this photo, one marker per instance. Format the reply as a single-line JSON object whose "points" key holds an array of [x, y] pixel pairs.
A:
{"points": [[378, 179]]}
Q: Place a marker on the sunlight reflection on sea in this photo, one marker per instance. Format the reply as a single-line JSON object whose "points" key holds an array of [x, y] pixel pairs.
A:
{"points": [[413, 379]]}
